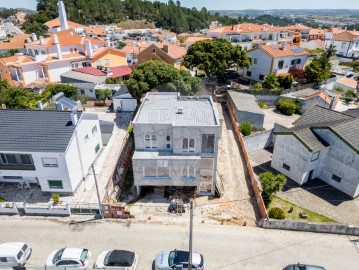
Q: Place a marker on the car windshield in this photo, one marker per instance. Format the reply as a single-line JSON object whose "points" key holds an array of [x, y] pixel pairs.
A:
{"points": [[84, 255], [176, 257], [19, 255], [58, 255], [24, 247]]}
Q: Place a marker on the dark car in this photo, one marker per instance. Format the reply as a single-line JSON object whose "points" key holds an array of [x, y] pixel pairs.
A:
{"points": [[303, 267]]}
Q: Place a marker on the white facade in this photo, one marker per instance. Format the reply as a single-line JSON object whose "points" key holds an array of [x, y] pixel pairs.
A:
{"points": [[124, 103], [66, 169], [345, 48]]}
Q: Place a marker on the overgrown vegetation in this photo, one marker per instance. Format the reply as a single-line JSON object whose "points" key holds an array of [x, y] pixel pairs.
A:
{"points": [[69, 91], [246, 128], [262, 105], [276, 213], [9, 53], [55, 198], [271, 184], [354, 65], [287, 106]]}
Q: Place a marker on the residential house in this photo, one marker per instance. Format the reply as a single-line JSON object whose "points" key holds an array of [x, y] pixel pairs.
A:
{"points": [[108, 57], [322, 144], [15, 43], [302, 29], [55, 26], [176, 142], [170, 37], [53, 149], [19, 16], [313, 44], [310, 97], [245, 108], [346, 84], [95, 31], [315, 34], [275, 58], [346, 44], [247, 35], [192, 40], [122, 101]]}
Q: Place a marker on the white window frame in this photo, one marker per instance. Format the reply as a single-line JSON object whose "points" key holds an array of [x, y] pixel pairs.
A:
{"points": [[50, 162], [187, 173], [94, 130], [189, 149], [98, 63], [151, 140], [107, 61], [156, 177]]}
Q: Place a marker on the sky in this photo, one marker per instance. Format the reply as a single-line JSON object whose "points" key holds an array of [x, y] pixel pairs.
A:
{"points": [[232, 4]]}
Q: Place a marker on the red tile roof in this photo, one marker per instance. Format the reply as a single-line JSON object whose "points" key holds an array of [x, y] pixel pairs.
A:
{"points": [[56, 23], [66, 40], [119, 71], [90, 70], [282, 50], [12, 45], [20, 38], [344, 36]]}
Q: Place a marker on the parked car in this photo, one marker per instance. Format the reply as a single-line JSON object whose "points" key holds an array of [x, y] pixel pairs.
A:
{"points": [[169, 260], [299, 266], [14, 254], [69, 257], [119, 259]]}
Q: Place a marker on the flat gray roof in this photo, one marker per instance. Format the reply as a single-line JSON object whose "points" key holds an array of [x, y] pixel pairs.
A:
{"points": [[245, 102], [171, 108], [301, 93]]}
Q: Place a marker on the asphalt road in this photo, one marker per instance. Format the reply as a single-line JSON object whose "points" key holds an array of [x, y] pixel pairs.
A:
{"points": [[223, 247]]}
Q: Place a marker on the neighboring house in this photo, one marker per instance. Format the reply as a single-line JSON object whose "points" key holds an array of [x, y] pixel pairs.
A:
{"points": [[346, 43], [95, 31], [192, 40], [302, 29], [248, 35], [322, 144], [170, 37], [122, 101], [313, 44], [315, 34], [346, 84], [47, 58], [108, 57], [176, 142], [163, 51], [275, 58], [310, 97], [53, 149], [245, 108], [15, 43], [55, 26]]}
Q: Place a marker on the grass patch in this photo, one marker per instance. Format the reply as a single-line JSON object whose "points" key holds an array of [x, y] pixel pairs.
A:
{"points": [[294, 215], [2, 200]]}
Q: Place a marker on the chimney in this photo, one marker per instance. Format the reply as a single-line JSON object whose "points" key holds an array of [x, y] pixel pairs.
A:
{"points": [[165, 48], [249, 27], [33, 37], [71, 33], [58, 47], [74, 118], [63, 16], [282, 47], [39, 105], [232, 26], [89, 51], [108, 43], [108, 72], [42, 40], [3, 106]]}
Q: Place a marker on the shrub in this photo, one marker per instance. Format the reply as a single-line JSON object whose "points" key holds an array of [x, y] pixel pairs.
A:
{"points": [[276, 213], [55, 198], [258, 86], [246, 128], [286, 106], [339, 89], [262, 105], [130, 129]]}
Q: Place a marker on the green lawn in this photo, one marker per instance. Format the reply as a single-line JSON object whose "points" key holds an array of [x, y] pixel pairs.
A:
{"points": [[294, 215], [2, 200]]}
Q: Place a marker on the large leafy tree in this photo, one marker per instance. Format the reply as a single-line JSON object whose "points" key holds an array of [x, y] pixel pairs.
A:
{"points": [[157, 75], [69, 91], [271, 184], [318, 70], [285, 81], [214, 56]]}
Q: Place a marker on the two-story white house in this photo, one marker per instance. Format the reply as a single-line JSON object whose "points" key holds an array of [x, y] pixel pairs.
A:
{"points": [[176, 142], [53, 149], [278, 59], [322, 144], [346, 43]]}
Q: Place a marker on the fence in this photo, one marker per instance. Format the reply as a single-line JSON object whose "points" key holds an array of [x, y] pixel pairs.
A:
{"points": [[47, 210], [8, 209], [255, 187]]}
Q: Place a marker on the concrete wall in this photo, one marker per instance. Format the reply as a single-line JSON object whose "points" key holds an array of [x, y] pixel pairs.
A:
{"points": [[309, 227], [263, 66], [270, 100], [307, 104], [342, 161], [258, 141], [256, 119], [289, 150], [8, 209], [48, 211]]}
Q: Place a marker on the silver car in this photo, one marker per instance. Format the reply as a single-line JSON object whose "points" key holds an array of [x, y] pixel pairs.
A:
{"points": [[169, 260]]}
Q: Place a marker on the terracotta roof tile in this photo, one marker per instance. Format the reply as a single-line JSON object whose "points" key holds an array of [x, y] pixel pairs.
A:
{"points": [[348, 82], [173, 50], [195, 39], [278, 51], [12, 45], [20, 38], [66, 40], [16, 60], [56, 23], [98, 30], [344, 36]]}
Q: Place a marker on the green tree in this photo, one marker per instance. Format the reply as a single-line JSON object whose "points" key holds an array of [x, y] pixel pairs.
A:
{"points": [[246, 128], [215, 56], [287, 106], [18, 98], [69, 90], [285, 81], [318, 70], [103, 93], [271, 184], [330, 51], [121, 44], [158, 75], [271, 81]]}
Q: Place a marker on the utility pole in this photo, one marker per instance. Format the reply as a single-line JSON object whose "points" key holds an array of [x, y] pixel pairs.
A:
{"points": [[190, 235], [98, 193]]}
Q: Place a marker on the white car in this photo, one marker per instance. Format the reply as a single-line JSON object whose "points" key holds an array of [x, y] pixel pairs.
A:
{"points": [[68, 257], [14, 254], [169, 260], [119, 259]]}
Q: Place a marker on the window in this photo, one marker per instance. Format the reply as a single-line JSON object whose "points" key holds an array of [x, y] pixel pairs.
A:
{"points": [[261, 77], [97, 148], [107, 61], [286, 167], [336, 178], [208, 143], [55, 184], [98, 63], [188, 145], [293, 62], [94, 130], [280, 64], [86, 138], [168, 142], [8, 159], [49, 162], [26, 159], [188, 173], [12, 177], [255, 61], [153, 50], [315, 156], [249, 73], [156, 172], [151, 141], [299, 61], [3, 259]]}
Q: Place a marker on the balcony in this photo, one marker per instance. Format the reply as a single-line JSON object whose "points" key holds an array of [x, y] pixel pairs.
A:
{"points": [[17, 167]]}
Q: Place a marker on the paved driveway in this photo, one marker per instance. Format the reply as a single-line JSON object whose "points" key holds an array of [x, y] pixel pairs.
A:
{"points": [[315, 195]]}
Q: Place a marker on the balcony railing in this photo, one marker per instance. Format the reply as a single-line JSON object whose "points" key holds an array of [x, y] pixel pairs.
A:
{"points": [[18, 167]]}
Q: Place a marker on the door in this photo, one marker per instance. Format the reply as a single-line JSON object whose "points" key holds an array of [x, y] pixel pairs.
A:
{"points": [[310, 176]]}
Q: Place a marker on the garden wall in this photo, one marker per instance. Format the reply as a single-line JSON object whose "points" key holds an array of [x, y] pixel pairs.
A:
{"points": [[258, 141]]}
